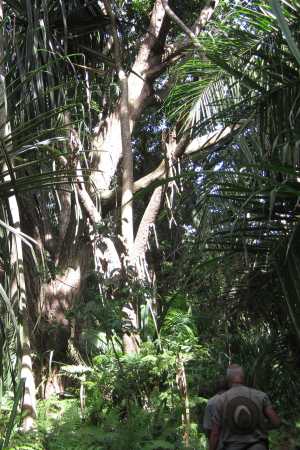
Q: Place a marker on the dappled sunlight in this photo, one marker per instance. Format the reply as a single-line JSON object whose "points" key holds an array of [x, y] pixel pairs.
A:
{"points": [[59, 295], [149, 224]]}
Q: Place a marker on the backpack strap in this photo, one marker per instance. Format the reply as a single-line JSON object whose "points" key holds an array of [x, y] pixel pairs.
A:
{"points": [[261, 441], [248, 446]]}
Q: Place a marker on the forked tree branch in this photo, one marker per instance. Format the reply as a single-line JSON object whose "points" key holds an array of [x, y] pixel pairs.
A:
{"points": [[181, 24], [174, 52], [182, 150]]}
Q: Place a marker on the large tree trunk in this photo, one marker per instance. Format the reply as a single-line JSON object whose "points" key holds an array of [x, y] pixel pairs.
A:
{"points": [[69, 257], [114, 141], [77, 246]]}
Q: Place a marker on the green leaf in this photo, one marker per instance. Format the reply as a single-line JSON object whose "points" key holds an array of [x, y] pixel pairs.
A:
{"points": [[157, 443], [8, 306], [13, 414], [285, 29]]}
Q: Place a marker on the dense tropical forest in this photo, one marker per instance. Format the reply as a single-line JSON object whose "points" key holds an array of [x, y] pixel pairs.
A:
{"points": [[149, 217]]}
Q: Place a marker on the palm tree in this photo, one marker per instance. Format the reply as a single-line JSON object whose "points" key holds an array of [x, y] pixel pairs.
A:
{"points": [[246, 72], [31, 134]]}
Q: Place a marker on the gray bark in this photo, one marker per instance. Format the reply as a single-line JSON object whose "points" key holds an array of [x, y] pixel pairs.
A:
{"points": [[107, 147]]}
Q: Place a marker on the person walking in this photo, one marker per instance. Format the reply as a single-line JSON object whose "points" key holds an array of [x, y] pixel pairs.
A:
{"points": [[242, 416]]}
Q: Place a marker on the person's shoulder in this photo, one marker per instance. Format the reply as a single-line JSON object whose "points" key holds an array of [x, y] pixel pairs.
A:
{"points": [[237, 389], [220, 399], [258, 393], [214, 400], [211, 400], [242, 390]]}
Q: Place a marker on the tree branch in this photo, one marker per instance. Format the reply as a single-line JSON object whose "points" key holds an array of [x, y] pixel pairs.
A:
{"points": [[149, 64], [175, 51], [149, 217], [181, 24], [182, 150], [127, 160], [107, 147]]}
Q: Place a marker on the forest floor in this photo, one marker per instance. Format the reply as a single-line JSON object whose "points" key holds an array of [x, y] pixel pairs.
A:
{"points": [[60, 427]]}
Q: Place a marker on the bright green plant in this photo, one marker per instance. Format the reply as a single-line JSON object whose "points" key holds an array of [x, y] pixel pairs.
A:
{"points": [[12, 421]]}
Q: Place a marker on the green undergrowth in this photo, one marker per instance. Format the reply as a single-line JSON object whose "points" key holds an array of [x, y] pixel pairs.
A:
{"points": [[60, 426], [287, 437]]}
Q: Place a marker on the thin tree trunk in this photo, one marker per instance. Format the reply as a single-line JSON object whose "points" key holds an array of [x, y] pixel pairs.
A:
{"points": [[17, 281], [183, 391], [130, 339], [18, 290], [127, 172]]}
